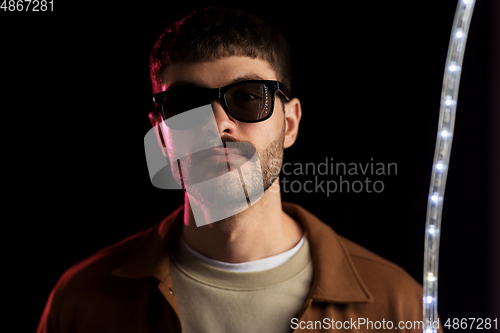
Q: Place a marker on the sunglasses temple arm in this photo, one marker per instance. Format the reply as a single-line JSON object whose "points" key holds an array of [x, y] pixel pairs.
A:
{"points": [[284, 94]]}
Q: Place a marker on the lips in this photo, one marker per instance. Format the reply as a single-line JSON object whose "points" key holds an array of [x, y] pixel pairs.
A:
{"points": [[220, 154], [215, 161]]}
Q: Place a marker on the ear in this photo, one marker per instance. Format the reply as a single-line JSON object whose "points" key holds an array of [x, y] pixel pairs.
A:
{"points": [[156, 119], [293, 113]]}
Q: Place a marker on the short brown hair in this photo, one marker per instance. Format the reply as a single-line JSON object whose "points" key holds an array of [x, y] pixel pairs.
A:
{"points": [[213, 33]]}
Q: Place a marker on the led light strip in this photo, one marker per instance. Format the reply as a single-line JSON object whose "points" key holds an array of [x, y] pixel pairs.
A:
{"points": [[449, 93]]}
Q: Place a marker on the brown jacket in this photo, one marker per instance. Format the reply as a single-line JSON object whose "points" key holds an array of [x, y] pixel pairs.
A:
{"points": [[127, 288]]}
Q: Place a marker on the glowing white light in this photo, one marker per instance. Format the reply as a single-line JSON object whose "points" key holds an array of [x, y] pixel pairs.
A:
{"points": [[431, 277], [440, 165], [449, 100], [459, 33], [466, 1], [445, 133], [428, 330], [435, 198], [429, 299], [453, 68], [432, 230]]}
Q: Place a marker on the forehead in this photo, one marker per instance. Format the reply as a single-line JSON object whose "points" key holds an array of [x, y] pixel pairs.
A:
{"points": [[216, 73]]}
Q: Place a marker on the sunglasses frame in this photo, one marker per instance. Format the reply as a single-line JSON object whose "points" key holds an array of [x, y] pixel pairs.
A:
{"points": [[220, 93]]}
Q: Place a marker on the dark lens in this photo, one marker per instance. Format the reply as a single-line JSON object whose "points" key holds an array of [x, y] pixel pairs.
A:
{"points": [[180, 100], [249, 101], [189, 119]]}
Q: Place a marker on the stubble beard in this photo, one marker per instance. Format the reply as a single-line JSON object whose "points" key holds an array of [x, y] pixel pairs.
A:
{"points": [[226, 193]]}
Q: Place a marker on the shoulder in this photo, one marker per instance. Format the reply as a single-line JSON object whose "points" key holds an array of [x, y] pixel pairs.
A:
{"points": [[377, 271], [86, 284], [101, 264], [368, 262], [114, 268], [89, 277]]}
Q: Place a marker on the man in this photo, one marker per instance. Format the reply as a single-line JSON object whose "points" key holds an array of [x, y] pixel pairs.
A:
{"points": [[234, 258]]}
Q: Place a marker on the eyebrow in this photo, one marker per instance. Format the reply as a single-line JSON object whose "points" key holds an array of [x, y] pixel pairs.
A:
{"points": [[194, 84]]}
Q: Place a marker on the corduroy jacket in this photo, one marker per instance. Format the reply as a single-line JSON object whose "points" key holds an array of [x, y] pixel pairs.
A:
{"points": [[127, 287]]}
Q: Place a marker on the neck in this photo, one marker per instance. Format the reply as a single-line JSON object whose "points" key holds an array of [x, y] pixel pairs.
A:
{"points": [[261, 231]]}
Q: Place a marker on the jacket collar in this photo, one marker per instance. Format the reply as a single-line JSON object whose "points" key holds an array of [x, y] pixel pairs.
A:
{"points": [[335, 276]]}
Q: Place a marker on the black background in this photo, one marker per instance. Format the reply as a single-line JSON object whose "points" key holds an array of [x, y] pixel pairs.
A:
{"points": [[369, 77]]}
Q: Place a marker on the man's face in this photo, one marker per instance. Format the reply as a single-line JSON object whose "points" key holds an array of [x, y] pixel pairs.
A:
{"points": [[266, 137]]}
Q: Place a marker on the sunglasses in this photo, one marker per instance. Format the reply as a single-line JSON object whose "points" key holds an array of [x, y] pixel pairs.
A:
{"points": [[249, 101]]}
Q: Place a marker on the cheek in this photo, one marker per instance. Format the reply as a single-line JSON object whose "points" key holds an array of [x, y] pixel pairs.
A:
{"points": [[264, 134]]}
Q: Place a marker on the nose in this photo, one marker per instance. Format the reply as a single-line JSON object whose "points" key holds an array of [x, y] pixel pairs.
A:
{"points": [[225, 123]]}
